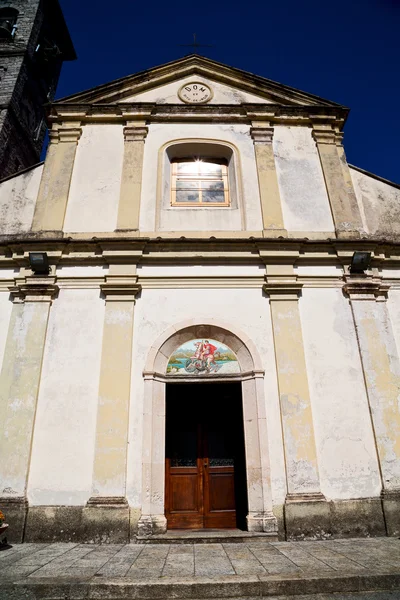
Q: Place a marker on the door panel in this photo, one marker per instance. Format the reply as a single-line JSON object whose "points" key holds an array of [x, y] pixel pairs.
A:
{"points": [[204, 440], [221, 491], [184, 492]]}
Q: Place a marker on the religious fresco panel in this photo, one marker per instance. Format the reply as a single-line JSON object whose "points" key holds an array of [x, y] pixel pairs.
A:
{"points": [[203, 357]]}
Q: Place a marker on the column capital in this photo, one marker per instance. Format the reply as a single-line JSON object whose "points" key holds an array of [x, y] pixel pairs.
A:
{"points": [[324, 136], [70, 133], [369, 288], [34, 290], [339, 135], [120, 289], [262, 135], [282, 289], [135, 133]]}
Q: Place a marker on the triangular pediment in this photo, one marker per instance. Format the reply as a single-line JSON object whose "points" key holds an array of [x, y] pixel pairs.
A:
{"points": [[229, 85]]}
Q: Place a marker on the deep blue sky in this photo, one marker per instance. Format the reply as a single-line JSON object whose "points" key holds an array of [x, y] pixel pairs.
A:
{"points": [[347, 51]]}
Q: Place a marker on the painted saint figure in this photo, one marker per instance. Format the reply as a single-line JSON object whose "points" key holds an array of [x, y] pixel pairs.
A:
{"points": [[208, 355]]}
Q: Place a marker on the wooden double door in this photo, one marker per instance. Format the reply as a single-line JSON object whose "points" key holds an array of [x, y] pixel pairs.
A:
{"points": [[205, 464]]}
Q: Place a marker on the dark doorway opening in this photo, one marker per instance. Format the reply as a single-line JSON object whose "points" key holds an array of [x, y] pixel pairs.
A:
{"points": [[205, 470]]}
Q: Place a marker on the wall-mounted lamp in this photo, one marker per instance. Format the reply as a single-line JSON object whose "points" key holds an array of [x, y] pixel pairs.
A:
{"points": [[39, 263], [360, 262]]}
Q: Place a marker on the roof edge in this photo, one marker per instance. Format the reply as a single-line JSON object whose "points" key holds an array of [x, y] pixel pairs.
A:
{"points": [[257, 79], [374, 176], [39, 164]]}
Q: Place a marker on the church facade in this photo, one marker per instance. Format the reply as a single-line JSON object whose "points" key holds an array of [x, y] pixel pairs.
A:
{"points": [[199, 317]]}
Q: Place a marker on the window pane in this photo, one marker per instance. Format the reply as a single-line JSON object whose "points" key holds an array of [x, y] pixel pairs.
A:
{"points": [[211, 169], [186, 184], [212, 185], [187, 167], [187, 196], [208, 196]]}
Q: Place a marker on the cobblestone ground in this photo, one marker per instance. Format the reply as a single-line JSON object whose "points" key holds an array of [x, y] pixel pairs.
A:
{"points": [[134, 562]]}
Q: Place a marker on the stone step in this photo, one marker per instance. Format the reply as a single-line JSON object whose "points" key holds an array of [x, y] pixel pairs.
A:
{"points": [[201, 588], [207, 536]]}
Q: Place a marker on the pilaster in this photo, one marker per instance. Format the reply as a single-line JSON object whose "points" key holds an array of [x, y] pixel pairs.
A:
{"points": [[135, 133], [381, 366], [107, 512], [267, 178], [306, 511], [52, 200], [19, 387], [342, 198]]}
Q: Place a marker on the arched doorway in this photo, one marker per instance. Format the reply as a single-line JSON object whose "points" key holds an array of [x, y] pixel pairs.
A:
{"points": [[205, 467], [249, 374]]}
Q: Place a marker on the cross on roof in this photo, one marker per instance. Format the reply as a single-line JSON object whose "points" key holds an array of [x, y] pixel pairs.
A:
{"points": [[195, 44]]}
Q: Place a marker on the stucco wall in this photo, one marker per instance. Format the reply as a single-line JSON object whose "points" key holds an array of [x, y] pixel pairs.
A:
{"points": [[248, 212], [17, 201], [5, 313], [394, 315], [245, 309], [222, 94], [379, 204], [64, 438], [96, 180], [344, 437], [305, 202]]}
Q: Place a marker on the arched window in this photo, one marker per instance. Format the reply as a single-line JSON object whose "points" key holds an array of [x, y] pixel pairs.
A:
{"points": [[198, 181], [8, 19]]}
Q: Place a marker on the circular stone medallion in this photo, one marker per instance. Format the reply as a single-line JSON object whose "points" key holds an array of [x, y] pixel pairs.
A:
{"points": [[195, 93]]}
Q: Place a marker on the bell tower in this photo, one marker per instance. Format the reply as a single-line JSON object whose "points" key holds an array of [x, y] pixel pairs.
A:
{"points": [[34, 43]]}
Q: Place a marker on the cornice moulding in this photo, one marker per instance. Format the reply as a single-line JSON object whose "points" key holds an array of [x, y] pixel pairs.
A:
{"points": [[185, 251], [152, 112]]}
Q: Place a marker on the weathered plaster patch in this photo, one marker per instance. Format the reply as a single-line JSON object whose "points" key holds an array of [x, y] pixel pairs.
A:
{"points": [[305, 202], [96, 180], [17, 201], [5, 313], [379, 204], [64, 439], [345, 444]]}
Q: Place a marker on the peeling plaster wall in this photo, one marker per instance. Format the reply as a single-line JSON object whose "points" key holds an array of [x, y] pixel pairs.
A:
{"points": [[394, 314], [17, 201], [345, 444], [199, 219], [246, 309], [305, 202], [379, 204], [64, 438], [222, 94], [96, 180], [5, 314]]}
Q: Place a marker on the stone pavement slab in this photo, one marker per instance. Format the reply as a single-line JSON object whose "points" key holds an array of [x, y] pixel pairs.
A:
{"points": [[250, 569]]}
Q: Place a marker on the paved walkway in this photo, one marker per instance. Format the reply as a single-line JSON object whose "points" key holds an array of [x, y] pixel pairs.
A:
{"points": [[253, 568]]}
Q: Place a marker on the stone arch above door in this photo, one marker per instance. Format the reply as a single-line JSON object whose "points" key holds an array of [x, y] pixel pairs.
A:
{"points": [[260, 516], [245, 350]]}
